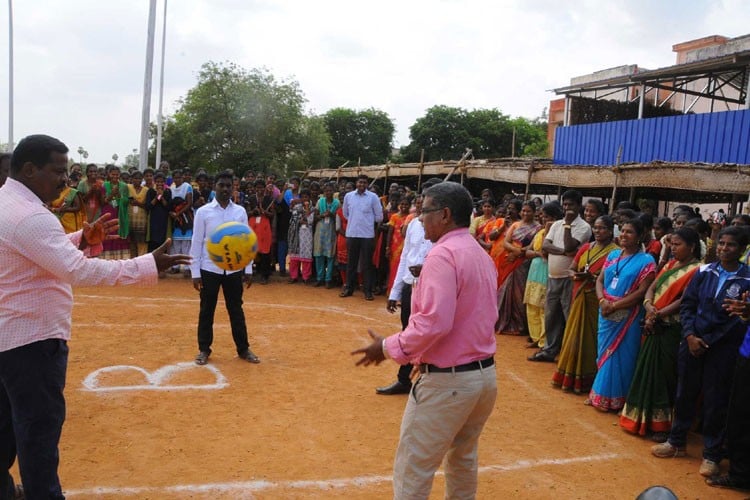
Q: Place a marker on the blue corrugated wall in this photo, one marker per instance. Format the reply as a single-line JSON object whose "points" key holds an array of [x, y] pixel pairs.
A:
{"points": [[709, 137]]}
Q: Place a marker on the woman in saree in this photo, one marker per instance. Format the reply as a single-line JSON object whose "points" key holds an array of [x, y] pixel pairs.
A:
{"points": [[620, 288], [505, 216], [483, 230], [116, 201], [576, 366], [90, 189], [69, 208], [513, 271], [138, 214], [485, 214], [536, 282], [648, 408], [395, 239]]}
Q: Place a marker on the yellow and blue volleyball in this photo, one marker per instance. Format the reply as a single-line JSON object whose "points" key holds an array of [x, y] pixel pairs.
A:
{"points": [[232, 246]]}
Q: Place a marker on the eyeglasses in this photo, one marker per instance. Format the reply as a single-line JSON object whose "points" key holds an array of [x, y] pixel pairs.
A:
{"points": [[428, 210]]}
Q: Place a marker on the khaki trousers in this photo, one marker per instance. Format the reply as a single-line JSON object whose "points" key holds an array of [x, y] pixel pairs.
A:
{"points": [[444, 417]]}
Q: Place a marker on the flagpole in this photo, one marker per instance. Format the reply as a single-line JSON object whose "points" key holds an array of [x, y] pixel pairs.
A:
{"points": [[146, 111], [159, 117]]}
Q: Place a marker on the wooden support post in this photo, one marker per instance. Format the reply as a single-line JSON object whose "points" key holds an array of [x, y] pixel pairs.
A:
{"points": [[421, 168], [529, 173]]}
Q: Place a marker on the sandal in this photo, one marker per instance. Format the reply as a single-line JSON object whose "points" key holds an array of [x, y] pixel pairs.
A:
{"points": [[728, 482], [588, 402]]}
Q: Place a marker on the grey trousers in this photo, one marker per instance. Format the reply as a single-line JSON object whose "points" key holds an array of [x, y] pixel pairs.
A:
{"points": [[556, 308]]}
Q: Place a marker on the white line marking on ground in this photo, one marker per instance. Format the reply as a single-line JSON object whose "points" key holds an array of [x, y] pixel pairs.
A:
{"points": [[249, 487], [155, 379], [541, 395], [134, 303]]}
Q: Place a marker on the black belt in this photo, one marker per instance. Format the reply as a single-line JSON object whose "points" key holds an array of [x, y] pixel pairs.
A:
{"points": [[474, 365]]}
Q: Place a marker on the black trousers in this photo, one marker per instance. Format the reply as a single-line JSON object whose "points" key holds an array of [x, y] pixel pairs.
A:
{"points": [[738, 422], [710, 373], [405, 370], [356, 248], [263, 262], [32, 412], [231, 285]]}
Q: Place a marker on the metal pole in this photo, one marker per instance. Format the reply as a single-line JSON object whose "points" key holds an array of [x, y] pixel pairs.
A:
{"points": [[10, 75], [566, 111], [159, 117], [641, 101], [146, 110], [747, 89]]}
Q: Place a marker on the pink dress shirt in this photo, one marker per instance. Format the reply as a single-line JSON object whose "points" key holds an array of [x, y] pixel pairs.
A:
{"points": [[40, 263], [454, 306]]}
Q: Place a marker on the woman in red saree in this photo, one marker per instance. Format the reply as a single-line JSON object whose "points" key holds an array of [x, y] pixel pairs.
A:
{"points": [[395, 239], [648, 407], [513, 267]]}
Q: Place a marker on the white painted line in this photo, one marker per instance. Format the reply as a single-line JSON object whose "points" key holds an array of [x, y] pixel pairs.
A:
{"points": [[249, 487], [155, 380], [331, 309]]}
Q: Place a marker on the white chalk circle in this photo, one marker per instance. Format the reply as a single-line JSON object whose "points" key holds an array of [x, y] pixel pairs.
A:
{"points": [[155, 380]]}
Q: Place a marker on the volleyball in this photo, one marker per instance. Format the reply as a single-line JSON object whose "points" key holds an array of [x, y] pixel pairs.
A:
{"points": [[232, 246]]}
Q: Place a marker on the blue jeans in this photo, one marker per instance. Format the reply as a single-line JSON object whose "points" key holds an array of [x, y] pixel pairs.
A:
{"points": [[32, 412]]}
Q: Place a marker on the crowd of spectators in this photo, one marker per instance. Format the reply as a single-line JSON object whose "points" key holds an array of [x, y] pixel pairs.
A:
{"points": [[644, 315]]}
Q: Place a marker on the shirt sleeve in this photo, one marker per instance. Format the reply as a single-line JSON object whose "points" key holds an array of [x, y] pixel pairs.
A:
{"points": [[377, 209], [43, 241], [434, 319], [689, 304], [196, 243]]}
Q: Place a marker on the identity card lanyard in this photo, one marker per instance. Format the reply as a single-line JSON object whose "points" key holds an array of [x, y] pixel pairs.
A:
{"points": [[616, 278]]}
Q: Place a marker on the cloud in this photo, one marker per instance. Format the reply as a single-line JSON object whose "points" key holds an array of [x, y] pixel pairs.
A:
{"points": [[80, 64]]}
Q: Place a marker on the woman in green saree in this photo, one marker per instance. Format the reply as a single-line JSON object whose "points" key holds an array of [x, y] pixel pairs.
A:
{"points": [[648, 407]]}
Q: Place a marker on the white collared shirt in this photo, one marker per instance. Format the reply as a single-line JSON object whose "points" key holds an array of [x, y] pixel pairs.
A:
{"points": [[415, 250], [207, 219]]}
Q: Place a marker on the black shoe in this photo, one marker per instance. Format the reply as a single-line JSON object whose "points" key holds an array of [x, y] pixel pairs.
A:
{"points": [[395, 388], [202, 358], [318, 284], [249, 356], [542, 356], [368, 296], [345, 292]]}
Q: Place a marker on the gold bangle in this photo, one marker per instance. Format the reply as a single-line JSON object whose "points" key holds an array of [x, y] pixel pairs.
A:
{"points": [[602, 300], [646, 301]]}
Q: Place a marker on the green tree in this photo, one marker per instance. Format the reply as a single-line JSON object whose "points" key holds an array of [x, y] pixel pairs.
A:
{"points": [[240, 119], [365, 136], [445, 132]]}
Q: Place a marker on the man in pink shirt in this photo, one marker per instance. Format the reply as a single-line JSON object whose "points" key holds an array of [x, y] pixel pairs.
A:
{"points": [[450, 338], [40, 265]]}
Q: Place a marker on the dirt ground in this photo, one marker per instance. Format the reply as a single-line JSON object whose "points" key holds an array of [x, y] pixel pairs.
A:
{"points": [[306, 423]]}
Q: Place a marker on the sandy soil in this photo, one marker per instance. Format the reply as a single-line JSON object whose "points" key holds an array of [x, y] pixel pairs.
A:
{"points": [[306, 423]]}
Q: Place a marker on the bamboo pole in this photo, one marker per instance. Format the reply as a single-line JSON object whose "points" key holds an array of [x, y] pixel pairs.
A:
{"points": [[421, 168], [460, 162], [616, 171]]}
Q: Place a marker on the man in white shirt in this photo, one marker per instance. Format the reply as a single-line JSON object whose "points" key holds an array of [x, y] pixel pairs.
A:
{"points": [[561, 244], [208, 278]]}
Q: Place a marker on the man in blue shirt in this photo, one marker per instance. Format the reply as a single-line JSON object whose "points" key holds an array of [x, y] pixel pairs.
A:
{"points": [[362, 210]]}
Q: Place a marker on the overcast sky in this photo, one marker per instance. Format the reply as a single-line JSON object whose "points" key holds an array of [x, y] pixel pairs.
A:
{"points": [[79, 64]]}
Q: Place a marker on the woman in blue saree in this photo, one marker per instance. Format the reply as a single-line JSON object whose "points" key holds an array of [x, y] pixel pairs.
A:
{"points": [[620, 289]]}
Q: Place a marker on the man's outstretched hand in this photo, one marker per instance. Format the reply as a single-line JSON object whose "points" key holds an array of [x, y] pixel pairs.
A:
{"points": [[373, 353], [164, 261]]}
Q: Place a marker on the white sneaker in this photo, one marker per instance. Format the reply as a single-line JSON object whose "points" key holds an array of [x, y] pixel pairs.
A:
{"points": [[666, 450], [709, 468]]}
